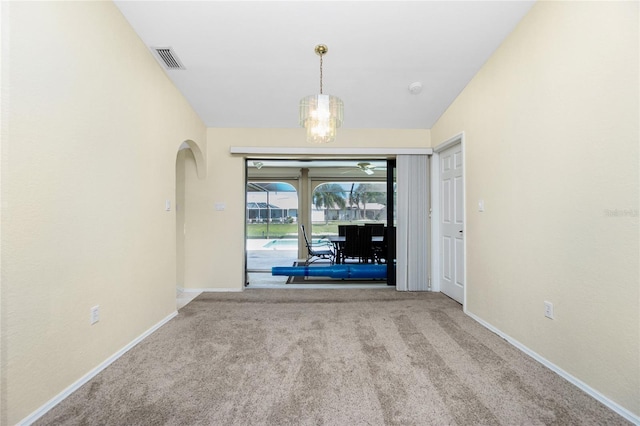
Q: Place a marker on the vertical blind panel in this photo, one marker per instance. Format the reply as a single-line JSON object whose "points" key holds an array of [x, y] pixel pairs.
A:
{"points": [[412, 273]]}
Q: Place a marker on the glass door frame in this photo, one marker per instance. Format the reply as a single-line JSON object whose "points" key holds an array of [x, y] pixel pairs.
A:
{"points": [[391, 225]]}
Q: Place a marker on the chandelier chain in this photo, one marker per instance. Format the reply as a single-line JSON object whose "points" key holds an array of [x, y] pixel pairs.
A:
{"points": [[321, 74]]}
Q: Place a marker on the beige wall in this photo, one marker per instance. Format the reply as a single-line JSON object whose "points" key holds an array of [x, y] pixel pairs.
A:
{"points": [[215, 238], [91, 129], [551, 131]]}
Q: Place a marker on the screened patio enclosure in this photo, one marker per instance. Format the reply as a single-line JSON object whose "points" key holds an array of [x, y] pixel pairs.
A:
{"points": [[263, 212]]}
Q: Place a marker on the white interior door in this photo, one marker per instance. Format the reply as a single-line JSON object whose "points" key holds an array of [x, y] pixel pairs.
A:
{"points": [[452, 223]]}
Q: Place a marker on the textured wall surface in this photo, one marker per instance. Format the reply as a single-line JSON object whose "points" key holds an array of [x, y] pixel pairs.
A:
{"points": [[89, 149], [551, 132]]}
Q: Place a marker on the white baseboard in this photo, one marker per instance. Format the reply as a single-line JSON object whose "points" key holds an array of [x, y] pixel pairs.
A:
{"points": [[90, 375], [571, 379], [211, 290]]}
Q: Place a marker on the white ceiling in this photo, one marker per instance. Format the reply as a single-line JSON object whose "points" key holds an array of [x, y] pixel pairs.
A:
{"points": [[248, 63]]}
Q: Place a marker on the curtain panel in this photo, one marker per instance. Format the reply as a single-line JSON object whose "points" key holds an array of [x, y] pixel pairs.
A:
{"points": [[412, 269]]}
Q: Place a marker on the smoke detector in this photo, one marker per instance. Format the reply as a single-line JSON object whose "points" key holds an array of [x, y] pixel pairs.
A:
{"points": [[415, 88]]}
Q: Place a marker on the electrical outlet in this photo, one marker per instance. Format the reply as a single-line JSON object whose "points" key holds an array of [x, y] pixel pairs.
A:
{"points": [[95, 314], [548, 310]]}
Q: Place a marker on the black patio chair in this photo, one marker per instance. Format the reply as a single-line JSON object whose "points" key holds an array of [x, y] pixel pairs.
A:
{"points": [[342, 231], [319, 250], [377, 229], [386, 252], [358, 245]]}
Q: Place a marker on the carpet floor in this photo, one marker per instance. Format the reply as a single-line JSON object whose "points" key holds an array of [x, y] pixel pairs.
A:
{"points": [[326, 357]]}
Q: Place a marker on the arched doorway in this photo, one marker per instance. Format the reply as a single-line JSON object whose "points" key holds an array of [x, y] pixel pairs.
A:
{"points": [[190, 166]]}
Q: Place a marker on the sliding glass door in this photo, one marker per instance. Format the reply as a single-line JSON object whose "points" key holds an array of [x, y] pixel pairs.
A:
{"points": [[282, 195], [271, 226]]}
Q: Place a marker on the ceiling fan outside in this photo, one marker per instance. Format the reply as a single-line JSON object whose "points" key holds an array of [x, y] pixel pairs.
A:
{"points": [[366, 167]]}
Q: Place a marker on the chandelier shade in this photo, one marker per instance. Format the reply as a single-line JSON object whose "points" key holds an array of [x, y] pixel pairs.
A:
{"points": [[321, 114]]}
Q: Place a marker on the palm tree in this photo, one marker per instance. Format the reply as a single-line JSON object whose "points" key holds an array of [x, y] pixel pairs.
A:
{"points": [[328, 196], [354, 199], [367, 193]]}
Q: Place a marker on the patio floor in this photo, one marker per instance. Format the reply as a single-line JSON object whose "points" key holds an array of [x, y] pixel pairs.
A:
{"points": [[262, 256]]}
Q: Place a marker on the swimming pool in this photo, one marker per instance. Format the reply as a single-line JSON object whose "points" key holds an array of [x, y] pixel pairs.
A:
{"points": [[286, 244]]}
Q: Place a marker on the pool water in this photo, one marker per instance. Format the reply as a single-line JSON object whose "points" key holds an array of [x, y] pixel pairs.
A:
{"points": [[286, 243]]}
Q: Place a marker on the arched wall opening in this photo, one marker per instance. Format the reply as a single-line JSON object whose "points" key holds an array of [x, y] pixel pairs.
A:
{"points": [[190, 167]]}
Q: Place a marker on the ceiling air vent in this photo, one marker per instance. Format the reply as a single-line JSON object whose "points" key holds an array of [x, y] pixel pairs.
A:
{"points": [[168, 58]]}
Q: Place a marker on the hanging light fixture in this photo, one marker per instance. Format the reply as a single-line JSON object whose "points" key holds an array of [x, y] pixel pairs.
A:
{"points": [[321, 114]]}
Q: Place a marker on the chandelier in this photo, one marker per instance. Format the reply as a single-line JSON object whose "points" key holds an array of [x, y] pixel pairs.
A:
{"points": [[321, 114]]}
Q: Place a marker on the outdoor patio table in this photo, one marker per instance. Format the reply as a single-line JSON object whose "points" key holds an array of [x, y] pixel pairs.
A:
{"points": [[338, 243]]}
